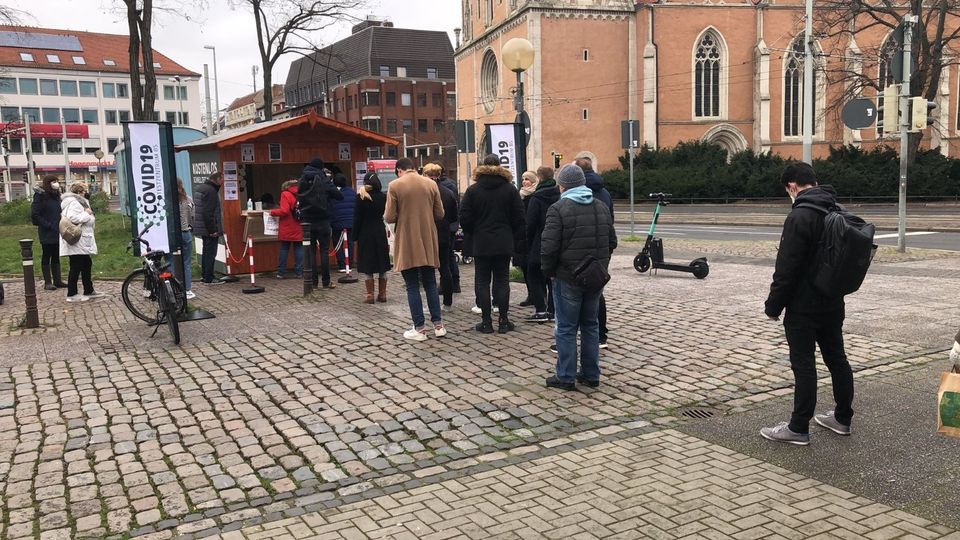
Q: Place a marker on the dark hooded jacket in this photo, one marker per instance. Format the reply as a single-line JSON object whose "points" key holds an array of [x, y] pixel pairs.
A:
{"points": [[595, 182], [450, 215], [545, 195], [491, 213], [446, 182], [45, 214], [577, 226], [314, 192], [792, 288], [207, 213]]}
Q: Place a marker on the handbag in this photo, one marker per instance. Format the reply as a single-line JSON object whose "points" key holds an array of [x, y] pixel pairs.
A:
{"points": [[590, 275], [948, 404], [69, 231]]}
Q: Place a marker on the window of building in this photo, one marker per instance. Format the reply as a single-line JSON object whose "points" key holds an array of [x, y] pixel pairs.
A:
{"points": [[90, 116], [9, 114], [71, 116], [452, 101], [109, 90], [53, 59], [585, 114], [26, 57], [586, 55], [392, 151], [408, 126], [16, 146], [110, 117], [184, 118], [28, 87], [431, 73], [349, 103], [124, 116], [36, 146], [885, 76], [88, 89], [156, 116], [421, 100], [275, 152], [108, 62], [112, 145], [374, 152], [371, 98], [401, 71], [339, 79], [48, 87], [156, 65], [488, 12], [437, 100], [707, 60], [169, 92], [405, 99], [171, 117], [54, 146], [33, 113], [793, 91], [384, 71], [68, 88], [422, 125], [391, 99], [391, 126], [122, 90], [182, 93], [74, 146], [438, 126], [372, 124], [79, 60], [8, 85], [489, 81], [51, 115]]}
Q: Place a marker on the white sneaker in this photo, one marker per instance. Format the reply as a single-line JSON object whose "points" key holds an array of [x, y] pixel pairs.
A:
{"points": [[478, 311], [77, 298], [415, 335], [95, 295], [191, 295], [439, 330]]}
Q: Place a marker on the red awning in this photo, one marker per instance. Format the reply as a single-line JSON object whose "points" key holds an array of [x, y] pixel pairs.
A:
{"points": [[46, 131]]}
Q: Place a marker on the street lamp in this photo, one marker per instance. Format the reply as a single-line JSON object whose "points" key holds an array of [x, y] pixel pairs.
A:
{"points": [[179, 95], [216, 85], [99, 155], [517, 55]]}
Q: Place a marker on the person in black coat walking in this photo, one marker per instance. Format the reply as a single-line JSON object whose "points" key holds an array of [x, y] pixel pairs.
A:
{"points": [[448, 183], [314, 193], [546, 194], [491, 213], [373, 257], [445, 229], [45, 214]]}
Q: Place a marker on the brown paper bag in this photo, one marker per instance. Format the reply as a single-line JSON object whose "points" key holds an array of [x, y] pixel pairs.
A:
{"points": [[948, 405]]}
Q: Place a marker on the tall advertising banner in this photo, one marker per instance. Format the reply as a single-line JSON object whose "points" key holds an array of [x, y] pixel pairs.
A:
{"points": [[506, 142], [153, 184]]}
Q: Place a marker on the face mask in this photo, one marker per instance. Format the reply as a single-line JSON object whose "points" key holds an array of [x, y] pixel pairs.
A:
{"points": [[55, 186]]}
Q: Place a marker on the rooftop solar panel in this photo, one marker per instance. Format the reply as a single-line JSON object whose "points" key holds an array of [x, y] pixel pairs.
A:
{"points": [[29, 40]]}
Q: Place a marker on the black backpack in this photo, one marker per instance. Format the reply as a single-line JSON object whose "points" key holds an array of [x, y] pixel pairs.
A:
{"points": [[845, 251], [311, 200]]}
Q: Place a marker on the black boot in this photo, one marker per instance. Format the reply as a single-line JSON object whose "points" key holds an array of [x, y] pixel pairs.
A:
{"points": [[57, 276], [505, 326], [47, 283]]}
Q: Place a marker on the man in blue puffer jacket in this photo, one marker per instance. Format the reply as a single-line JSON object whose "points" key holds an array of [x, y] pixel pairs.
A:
{"points": [[595, 182], [343, 218]]}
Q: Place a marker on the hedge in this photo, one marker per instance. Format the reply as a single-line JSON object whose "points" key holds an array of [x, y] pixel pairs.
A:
{"points": [[701, 170]]}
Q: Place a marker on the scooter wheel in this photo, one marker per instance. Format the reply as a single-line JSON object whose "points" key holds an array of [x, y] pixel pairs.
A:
{"points": [[641, 263], [468, 260], [700, 269]]}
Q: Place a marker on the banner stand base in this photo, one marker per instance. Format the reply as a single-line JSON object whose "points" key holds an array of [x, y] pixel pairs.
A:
{"points": [[196, 315], [255, 289]]}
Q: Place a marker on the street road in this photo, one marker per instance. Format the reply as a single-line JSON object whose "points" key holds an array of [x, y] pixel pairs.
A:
{"points": [[918, 239]]}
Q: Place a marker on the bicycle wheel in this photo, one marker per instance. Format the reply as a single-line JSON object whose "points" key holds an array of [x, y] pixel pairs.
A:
{"points": [[139, 295], [170, 312]]}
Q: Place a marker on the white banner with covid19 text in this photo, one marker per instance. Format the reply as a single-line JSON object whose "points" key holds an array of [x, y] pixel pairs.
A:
{"points": [[150, 206], [503, 144]]}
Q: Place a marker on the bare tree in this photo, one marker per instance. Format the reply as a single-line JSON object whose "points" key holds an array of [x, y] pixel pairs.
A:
{"points": [[937, 32], [285, 26]]}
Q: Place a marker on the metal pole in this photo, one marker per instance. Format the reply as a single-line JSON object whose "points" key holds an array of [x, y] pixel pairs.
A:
{"points": [[633, 219], [522, 165], [32, 318], [66, 157], [309, 259], [904, 133], [31, 174], [7, 180], [216, 86], [206, 84], [808, 89]]}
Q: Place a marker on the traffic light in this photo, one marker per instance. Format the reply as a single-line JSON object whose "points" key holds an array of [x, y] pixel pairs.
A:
{"points": [[920, 113], [557, 157], [891, 109]]}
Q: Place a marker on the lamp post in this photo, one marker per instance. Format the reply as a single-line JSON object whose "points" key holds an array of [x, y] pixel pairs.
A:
{"points": [[517, 55], [179, 94], [216, 86], [99, 155]]}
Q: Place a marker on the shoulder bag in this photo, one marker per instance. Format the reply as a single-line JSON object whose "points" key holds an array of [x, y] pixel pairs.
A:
{"points": [[590, 275]]}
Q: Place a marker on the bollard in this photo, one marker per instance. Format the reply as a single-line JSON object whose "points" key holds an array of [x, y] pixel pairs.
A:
{"points": [[32, 318], [345, 240], [308, 262], [253, 288]]}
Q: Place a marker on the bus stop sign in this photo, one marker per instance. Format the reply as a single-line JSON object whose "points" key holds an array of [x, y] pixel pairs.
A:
{"points": [[859, 113]]}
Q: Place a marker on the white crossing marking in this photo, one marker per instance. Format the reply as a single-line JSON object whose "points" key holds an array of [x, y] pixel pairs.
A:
{"points": [[894, 235]]}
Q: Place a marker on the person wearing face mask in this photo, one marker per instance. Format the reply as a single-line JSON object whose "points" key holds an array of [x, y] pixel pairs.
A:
{"points": [[75, 208], [45, 214], [811, 318]]}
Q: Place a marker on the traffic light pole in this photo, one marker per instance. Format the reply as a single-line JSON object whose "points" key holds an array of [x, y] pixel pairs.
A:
{"points": [[904, 133]]}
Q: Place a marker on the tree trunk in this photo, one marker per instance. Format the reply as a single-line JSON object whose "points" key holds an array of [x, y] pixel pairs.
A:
{"points": [[267, 91], [136, 87], [149, 73]]}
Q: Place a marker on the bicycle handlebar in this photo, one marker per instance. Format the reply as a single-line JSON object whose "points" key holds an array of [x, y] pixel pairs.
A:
{"points": [[139, 239]]}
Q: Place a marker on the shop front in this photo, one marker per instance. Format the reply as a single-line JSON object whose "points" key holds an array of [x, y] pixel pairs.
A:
{"points": [[256, 160]]}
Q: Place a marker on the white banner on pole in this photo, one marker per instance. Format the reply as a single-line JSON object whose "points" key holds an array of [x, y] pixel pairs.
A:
{"points": [[147, 165], [503, 143]]}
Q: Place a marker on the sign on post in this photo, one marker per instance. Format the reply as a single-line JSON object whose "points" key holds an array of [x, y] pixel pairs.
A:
{"points": [[465, 132], [505, 140], [629, 134], [152, 181], [859, 114]]}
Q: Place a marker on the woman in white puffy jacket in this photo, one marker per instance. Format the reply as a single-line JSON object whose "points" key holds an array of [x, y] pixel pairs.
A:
{"points": [[75, 208]]}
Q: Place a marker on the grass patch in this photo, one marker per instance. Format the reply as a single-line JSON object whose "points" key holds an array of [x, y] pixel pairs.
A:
{"points": [[633, 238]]}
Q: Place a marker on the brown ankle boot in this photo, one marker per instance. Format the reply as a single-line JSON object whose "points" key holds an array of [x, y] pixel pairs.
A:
{"points": [[382, 297], [369, 284]]}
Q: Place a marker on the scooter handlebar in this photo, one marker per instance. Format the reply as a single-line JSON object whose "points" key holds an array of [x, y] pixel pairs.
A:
{"points": [[660, 196]]}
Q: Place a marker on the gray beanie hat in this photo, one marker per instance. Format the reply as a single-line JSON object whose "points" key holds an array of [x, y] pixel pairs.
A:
{"points": [[571, 176]]}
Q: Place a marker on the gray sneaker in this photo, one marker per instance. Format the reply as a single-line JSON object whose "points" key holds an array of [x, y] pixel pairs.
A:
{"points": [[830, 422], [781, 433]]}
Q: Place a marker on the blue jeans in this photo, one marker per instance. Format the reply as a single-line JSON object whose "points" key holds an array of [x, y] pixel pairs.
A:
{"points": [[577, 309], [413, 278], [285, 255], [186, 252]]}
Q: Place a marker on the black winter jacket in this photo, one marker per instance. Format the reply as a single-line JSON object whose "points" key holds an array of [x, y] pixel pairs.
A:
{"points": [[546, 194], [445, 227], [45, 214], [595, 182], [315, 190], [491, 213], [446, 182], [792, 287], [571, 233], [207, 215]]}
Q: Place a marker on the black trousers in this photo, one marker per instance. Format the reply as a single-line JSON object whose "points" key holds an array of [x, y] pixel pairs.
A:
{"points": [[539, 287], [50, 254], [446, 274], [208, 257], [497, 268], [454, 267], [320, 235], [81, 267], [804, 332]]}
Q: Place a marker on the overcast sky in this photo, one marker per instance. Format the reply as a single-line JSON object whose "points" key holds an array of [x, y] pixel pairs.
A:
{"points": [[231, 31]]}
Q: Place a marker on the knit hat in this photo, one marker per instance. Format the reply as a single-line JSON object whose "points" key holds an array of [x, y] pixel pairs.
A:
{"points": [[316, 163], [571, 176]]}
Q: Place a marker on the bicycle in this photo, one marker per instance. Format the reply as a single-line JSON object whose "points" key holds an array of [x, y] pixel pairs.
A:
{"points": [[152, 293]]}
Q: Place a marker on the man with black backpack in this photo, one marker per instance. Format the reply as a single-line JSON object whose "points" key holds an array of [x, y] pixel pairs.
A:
{"points": [[314, 192], [811, 278]]}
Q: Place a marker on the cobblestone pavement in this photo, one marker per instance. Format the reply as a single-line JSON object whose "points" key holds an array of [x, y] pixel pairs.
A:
{"points": [[283, 402]]}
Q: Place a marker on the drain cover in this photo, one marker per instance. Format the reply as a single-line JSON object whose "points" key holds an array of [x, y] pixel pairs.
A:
{"points": [[699, 414]]}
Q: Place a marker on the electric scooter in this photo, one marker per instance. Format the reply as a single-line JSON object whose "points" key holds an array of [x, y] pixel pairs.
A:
{"points": [[652, 253]]}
